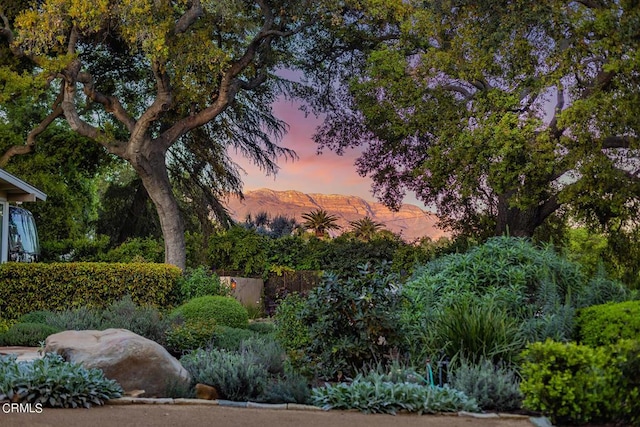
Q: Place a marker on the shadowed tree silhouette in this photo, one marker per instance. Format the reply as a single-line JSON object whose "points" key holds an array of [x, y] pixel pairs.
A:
{"points": [[320, 222], [366, 228]]}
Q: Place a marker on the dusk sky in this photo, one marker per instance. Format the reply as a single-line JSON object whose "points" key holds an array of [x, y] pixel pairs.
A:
{"points": [[326, 173]]}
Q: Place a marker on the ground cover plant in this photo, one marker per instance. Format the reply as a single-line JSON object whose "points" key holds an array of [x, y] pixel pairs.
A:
{"points": [[52, 382], [376, 392], [255, 371], [494, 387]]}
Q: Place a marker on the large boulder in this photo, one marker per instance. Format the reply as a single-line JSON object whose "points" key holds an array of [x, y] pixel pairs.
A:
{"points": [[135, 362]]}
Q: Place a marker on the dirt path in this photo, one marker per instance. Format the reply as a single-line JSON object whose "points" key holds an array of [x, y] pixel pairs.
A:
{"points": [[218, 416]]}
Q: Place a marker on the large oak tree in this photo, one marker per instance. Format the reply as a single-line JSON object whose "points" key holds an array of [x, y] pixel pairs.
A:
{"points": [[497, 113], [140, 77]]}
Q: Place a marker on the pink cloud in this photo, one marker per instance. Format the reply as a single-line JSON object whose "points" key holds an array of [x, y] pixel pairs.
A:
{"points": [[327, 173]]}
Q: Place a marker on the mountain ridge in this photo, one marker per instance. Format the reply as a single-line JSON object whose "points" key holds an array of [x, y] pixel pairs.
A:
{"points": [[410, 222]]}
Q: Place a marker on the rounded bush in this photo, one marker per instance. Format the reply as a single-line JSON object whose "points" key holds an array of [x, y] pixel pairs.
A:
{"points": [[223, 311], [607, 323]]}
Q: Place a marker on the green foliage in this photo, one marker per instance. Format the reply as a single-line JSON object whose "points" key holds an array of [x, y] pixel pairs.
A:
{"points": [[228, 338], [60, 286], [349, 322], [419, 105], [184, 337], [569, 382], [291, 388], [136, 250], [262, 327], [625, 357], [27, 334], [39, 316], [5, 325], [144, 320], [236, 376], [494, 387], [52, 382], [291, 330], [198, 282], [506, 282], [239, 249], [266, 351], [220, 310], [81, 249], [78, 319], [607, 323], [372, 394], [475, 329]]}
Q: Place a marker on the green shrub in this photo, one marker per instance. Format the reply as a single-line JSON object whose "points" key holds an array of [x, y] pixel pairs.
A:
{"points": [[227, 338], [39, 316], [374, 395], [494, 387], [607, 323], [524, 281], [625, 355], [351, 322], [136, 250], [5, 325], [28, 287], [291, 331], [50, 381], [222, 310], [144, 320], [77, 319], [185, 337], [569, 382], [262, 327], [27, 334], [236, 376], [475, 329], [266, 351], [291, 388], [198, 282]]}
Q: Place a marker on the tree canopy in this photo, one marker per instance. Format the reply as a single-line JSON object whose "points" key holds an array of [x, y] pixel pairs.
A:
{"points": [[160, 81], [497, 113]]}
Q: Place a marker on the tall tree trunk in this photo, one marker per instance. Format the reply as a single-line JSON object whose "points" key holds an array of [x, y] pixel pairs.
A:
{"points": [[151, 168], [522, 222]]}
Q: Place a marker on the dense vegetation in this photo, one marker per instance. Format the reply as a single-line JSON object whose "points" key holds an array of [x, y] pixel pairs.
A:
{"points": [[126, 127]]}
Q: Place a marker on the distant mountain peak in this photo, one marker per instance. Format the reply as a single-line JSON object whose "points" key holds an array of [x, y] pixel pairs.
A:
{"points": [[410, 221]]}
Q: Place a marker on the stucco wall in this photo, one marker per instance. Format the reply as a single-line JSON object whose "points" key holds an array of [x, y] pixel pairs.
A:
{"points": [[247, 291]]}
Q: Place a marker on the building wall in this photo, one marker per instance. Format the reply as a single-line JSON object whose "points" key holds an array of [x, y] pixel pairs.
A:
{"points": [[248, 291]]}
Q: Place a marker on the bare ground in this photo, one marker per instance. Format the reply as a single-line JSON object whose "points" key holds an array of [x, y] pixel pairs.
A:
{"points": [[220, 416]]}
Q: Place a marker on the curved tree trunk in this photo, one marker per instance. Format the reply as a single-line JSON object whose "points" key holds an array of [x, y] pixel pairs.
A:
{"points": [[155, 178], [522, 222]]}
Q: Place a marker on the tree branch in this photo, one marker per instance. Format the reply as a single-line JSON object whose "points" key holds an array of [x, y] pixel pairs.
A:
{"points": [[617, 142], [189, 17], [553, 125], [110, 103], [31, 137]]}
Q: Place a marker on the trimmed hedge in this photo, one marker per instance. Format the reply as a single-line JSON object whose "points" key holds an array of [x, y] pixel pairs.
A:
{"points": [[607, 323], [59, 286]]}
